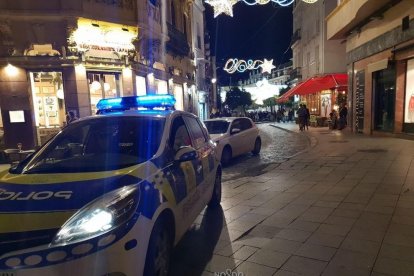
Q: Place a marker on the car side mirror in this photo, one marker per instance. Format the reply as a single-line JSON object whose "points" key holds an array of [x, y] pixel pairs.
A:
{"points": [[185, 154], [235, 130]]}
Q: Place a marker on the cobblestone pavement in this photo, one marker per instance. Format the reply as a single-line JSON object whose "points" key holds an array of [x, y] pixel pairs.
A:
{"points": [[343, 207], [278, 145]]}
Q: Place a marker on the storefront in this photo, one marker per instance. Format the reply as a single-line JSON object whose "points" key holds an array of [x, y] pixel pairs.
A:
{"points": [[48, 103], [383, 92], [320, 94]]}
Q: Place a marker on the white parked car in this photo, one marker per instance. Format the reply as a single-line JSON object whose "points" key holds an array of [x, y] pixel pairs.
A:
{"points": [[234, 136]]}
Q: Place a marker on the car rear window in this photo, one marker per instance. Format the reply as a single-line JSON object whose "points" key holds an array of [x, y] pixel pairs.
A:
{"points": [[98, 145], [217, 127]]}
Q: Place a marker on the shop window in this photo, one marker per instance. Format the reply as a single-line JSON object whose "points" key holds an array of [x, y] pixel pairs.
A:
{"points": [[384, 99], [141, 86], [48, 101], [103, 85], [178, 95]]}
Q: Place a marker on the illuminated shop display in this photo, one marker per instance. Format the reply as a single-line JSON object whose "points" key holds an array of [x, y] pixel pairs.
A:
{"points": [[103, 85], [141, 86], [409, 93], [48, 101], [234, 65], [179, 97]]}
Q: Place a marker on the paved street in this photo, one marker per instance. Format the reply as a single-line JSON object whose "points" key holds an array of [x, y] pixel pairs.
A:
{"points": [[345, 206], [278, 145]]}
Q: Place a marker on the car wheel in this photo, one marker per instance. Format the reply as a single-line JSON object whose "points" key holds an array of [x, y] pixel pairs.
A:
{"points": [[159, 251], [226, 155], [216, 196], [257, 146]]}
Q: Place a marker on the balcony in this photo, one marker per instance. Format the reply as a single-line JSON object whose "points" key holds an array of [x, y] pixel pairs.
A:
{"points": [[296, 36], [351, 14], [296, 73], [177, 45]]}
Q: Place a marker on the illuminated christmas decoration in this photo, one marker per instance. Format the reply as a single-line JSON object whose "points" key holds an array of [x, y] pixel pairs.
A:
{"points": [[235, 65], [267, 66], [226, 6], [222, 6]]}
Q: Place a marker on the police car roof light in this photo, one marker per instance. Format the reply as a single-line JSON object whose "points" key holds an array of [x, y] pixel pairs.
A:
{"points": [[125, 103]]}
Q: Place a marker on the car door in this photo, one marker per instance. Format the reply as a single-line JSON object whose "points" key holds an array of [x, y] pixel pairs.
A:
{"points": [[250, 134], [182, 182], [237, 139], [204, 164]]}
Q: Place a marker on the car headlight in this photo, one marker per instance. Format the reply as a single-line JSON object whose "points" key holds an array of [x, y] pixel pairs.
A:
{"points": [[100, 216]]}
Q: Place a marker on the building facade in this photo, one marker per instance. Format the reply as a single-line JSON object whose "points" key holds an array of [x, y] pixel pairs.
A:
{"points": [[379, 37], [58, 56], [313, 54]]}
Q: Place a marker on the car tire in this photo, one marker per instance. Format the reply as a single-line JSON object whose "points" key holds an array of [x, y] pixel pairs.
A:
{"points": [[226, 155], [257, 146], [216, 195], [159, 250]]}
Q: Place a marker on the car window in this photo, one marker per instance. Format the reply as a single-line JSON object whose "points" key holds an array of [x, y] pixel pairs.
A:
{"points": [[217, 127], [236, 124], [245, 124], [179, 136], [100, 144], [196, 132]]}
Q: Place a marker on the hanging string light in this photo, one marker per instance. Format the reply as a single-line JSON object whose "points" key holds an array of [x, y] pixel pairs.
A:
{"points": [[226, 6], [234, 65]]}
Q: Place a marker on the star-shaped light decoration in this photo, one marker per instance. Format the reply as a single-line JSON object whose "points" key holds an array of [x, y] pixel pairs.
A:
{"points": [[267, 66], [222, 6]]}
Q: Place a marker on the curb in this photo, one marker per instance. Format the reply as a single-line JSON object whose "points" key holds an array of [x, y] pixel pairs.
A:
{"points": [[312, 139]]}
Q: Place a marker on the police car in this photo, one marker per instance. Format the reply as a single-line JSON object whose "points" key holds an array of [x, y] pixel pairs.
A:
{"points": [[110, 194]]}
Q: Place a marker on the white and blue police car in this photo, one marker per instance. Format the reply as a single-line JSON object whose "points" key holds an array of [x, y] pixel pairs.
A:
{"points": [[110, 194]]}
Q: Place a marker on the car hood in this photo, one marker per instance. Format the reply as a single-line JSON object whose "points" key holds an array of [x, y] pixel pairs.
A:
{"points": [[34, 206]]}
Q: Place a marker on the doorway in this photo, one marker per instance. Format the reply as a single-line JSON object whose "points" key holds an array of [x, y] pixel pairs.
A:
{"points": [[384, 82]]}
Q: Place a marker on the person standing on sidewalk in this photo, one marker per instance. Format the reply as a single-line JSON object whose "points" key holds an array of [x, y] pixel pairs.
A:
{"points": [[307, 118], [302, 117], [343, 113]]}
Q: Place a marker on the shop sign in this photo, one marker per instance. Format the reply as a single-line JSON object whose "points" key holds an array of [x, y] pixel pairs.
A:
{"points": [[126, 4], [409, 93], [359, 100], [103, 36], [16, 116]]}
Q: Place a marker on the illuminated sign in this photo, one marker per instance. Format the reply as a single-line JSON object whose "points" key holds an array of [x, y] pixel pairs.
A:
{"points": [[103, 36]]}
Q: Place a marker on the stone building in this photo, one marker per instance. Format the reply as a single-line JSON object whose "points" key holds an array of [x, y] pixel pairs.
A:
{"points": [[58, 56]]}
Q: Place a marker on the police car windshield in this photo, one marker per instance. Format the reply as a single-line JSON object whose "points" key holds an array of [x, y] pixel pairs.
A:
{"points": [[101, 144], [217, 127]]}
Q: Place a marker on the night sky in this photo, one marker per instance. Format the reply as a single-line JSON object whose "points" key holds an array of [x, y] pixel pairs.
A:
{"points": [[254, 32]]}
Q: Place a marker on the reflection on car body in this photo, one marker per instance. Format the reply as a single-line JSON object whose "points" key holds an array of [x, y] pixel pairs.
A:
{"points": [[110, 194]]}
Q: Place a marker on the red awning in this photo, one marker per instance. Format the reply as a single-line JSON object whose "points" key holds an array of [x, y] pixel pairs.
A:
{"points": [[317, 84]]}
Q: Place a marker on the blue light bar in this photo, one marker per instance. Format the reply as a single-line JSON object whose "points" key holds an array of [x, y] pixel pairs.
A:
{"points": [[125, 103]]}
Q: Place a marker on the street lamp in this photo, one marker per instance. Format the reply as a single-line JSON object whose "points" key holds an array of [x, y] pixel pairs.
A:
{"points": [[213, 80]]}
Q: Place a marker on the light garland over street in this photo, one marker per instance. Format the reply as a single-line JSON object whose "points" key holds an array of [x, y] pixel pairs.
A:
{"points": [[226, 6], [234, 65]]}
